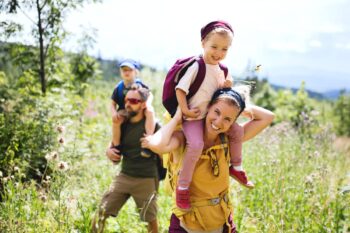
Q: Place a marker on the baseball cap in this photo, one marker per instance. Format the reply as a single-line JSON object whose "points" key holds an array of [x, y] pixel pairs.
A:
{"points": [[130, 63]]}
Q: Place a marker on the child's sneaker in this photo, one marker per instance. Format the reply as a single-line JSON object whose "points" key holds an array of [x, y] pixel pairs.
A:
{"points": [[241, 177], [183, 198]]}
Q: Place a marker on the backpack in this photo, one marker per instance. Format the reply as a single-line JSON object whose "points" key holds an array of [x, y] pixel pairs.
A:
{"points": [[212, 210], [176, 72], [120, 92]]}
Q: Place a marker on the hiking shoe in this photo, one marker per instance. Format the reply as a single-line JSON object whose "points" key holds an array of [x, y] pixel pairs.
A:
{"points": [[183, 199], [241, 177], [147, 153]]}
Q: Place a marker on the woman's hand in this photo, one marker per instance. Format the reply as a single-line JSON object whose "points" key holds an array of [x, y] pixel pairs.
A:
{"points": [[178, 115]]}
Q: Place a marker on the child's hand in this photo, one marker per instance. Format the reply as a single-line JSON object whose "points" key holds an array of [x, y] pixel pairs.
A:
{"points": [[227, 83], [119, 117], [192, 113]]}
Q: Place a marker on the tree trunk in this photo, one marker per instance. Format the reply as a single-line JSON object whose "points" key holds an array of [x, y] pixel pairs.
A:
{"points": [[41, 46]]}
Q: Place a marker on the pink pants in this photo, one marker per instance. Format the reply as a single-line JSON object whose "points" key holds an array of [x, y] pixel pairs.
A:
{"points": [[193, 131]]}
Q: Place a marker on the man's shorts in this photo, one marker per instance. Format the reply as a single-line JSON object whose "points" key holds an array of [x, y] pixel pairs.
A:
{"points": [[142, 190]]}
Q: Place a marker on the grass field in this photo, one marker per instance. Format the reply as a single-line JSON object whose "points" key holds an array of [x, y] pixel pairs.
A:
{"points": [[302, 184]]}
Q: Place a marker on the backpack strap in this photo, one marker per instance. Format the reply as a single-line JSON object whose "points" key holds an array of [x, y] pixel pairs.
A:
{"points": [[120, 95], [224, 141], [199, 77], [139, 82], [224, 68]]}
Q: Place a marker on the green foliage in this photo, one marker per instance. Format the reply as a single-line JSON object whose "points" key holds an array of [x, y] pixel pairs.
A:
{"points": [[26, 131], [302, 114], [84, 68], [47, 30], [266, 97], [342, 114], [298, 182]]}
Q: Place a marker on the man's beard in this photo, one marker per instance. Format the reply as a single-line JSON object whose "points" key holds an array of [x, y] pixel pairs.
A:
{"points": [[132, 114]]}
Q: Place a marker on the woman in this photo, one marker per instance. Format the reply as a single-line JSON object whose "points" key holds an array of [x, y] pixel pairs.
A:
{"points": [[211, 210]]}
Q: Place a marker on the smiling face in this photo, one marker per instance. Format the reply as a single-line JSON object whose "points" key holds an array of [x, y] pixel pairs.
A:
{"points": [[215, 47], [221, 115]]}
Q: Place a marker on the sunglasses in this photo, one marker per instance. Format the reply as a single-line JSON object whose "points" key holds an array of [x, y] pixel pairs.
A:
{"points": [[133, 101]]}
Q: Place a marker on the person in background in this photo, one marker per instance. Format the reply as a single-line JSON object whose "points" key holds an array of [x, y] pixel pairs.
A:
{"points": [[138, 177], [129, 70]]}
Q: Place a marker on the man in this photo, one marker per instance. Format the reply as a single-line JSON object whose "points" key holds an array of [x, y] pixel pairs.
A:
{"points": [[138, 177]]}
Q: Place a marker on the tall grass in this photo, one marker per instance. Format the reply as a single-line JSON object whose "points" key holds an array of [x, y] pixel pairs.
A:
{"points": [[298, 179]]}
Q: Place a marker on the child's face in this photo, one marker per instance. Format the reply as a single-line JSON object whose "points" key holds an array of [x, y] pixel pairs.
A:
{"points": [[215, 48], [127, 74]]}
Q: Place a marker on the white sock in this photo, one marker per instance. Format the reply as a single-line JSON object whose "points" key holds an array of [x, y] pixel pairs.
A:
{"points": [[238, 168], [182, 188]]}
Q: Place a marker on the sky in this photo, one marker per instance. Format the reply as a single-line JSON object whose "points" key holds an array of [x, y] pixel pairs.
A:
{"points": [[292, 40]]}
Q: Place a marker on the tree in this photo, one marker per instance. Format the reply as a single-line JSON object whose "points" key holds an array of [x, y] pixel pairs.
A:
{"points": [[47, 26]]}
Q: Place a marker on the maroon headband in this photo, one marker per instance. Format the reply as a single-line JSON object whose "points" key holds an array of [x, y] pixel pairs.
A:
{"points": [[212, 25]]}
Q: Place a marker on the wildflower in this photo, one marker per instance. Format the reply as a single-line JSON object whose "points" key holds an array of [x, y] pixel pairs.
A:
{"points": [[1, 174], [317, 154], [309, 180], [63, 166], [45, 183], [26, 208], [51, 156], [16, 169], [60, 128], [43, 197], [314, 113], [61, 140]]}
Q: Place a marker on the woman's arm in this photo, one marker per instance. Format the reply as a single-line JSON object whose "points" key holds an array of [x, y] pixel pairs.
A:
{"points": [[165, 139], [261, 118]]}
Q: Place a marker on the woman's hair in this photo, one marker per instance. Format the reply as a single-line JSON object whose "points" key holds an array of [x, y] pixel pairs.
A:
{"points": [[237, 96]]}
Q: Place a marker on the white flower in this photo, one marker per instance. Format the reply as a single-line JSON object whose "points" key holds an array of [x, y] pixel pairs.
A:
{"points": [[60, 128], [63, 166]]}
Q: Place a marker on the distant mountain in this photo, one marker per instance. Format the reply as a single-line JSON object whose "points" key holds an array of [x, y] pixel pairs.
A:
{"points": [[330, 95], [312, 94], [334, 94]]}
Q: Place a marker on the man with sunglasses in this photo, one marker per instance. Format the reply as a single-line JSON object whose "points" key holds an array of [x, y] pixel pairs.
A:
{"points": [[138, 177]]}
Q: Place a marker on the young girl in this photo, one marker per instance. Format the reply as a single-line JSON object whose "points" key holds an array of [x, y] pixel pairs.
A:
{"points": [[128, 71], [216, 40]]}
